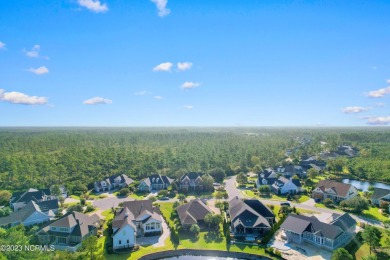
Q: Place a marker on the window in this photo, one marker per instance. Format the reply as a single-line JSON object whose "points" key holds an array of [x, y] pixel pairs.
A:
{"points": [[62, 229], [128, 242], [61, 240], [120, 242], [53, 228]]}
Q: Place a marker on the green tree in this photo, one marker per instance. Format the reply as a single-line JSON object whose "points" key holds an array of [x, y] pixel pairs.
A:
{"points": [[356, 204], [163, 193], [328, 202], [181, 197], [242, 178], [341, 254], [124, 192], [195, 230], [5, 196], [265, 189], [90, 246], [372, 236], [208, 183], [370, 257], [218, 174], [312, 173], [56, 191]]}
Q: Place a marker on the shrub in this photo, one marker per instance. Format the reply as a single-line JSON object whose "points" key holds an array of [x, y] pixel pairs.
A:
{"points": [[89, 208], [82, 201], [124, 192]]}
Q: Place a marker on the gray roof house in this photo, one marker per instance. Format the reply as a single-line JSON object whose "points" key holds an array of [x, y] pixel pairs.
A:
{"points": [[380, 195], [299, 228], [286, 186], [136, 218], [192, 181], [68, 232], [193, 212], [334, 190], [155, 182], [113, 182], [33, 213], [266, 177], [20, 199], [250, 218]]}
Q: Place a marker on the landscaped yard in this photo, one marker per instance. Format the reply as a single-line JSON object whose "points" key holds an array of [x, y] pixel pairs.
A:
{"points": [[373, 213], [137, 195], [359, 249]]}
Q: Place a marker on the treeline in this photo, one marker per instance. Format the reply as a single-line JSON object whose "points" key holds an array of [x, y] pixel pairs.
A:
{"points": [[41, 157]]}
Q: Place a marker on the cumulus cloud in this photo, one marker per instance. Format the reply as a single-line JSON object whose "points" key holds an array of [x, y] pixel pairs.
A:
{"points": [[97, 101], [379, 120], [380, 92], [2, 45], [34, 52], [39, 71], [93, 5], [190, 85], [166, 66], [162, 7], [182, 66], [158, 97], [21, 98], [354, 110], [189, 107]]}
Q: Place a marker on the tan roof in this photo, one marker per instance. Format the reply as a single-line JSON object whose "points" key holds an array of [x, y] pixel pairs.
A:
{"points": [[341, 189]]}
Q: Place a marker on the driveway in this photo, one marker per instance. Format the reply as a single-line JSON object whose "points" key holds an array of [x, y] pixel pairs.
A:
{"points": [[231, 188], [108, 203], [156, 241]]}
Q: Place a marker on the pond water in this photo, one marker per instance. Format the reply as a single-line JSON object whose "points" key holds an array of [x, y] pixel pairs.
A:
{"points": [[363, 185], [189, 257]]}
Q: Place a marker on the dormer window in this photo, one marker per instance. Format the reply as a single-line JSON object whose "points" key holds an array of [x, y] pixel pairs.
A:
{"points": [[104, 183]]}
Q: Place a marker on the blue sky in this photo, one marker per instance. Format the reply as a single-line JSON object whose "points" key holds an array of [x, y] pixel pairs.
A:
{"points": [[194, 63]]}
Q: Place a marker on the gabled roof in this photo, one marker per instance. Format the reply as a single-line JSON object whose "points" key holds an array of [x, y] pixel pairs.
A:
{"points": [[193, 212], [82, 224], [300, 223], [157, 179], [111, 179], [192, 175], [21, 215], [249, 212], [297, 182], [345, 222], [48, 205], [379, 193], [30, 194], [269, 175], [341, 189]]}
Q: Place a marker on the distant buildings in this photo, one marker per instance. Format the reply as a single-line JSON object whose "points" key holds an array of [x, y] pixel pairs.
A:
{"points": [[192, 181], [334, 190], [298, 228], [113, 182], [380, 196], [20, 199], [155, 182]]}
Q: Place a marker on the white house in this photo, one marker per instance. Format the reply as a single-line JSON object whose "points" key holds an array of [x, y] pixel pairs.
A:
{"points": [[287, 186], [136, 218]]}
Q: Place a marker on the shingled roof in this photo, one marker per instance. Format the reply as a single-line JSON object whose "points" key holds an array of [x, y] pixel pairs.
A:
{"points": [[23, 214], [379, 193], [158, 179], [249, 212], [123, 179], [193, 212], [30, 195], [192, 175], [341, 189]]}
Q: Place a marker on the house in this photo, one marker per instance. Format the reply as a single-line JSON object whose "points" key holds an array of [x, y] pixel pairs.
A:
{"points": [[291, 170], [334, 190], [33, 213], [286, 186], [266, 177], [192, 181], [250, 218], [69, 231], [20, 199], [113, 182], [380, 196], [193, 212], [155, 182], [136, 218], [299, 228]]}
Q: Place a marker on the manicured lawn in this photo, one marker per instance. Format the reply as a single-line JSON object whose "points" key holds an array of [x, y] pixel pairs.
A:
{"points": [[373, 213], [166, 209], [75, 197], [137, 196], [303, 198]]}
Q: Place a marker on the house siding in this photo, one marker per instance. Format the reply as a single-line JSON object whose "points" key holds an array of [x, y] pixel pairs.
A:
{"points": [[124, 238]]}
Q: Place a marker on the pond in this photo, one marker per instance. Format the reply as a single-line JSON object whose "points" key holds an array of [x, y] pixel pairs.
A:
{"points": [[363, 185], [189, 257]]}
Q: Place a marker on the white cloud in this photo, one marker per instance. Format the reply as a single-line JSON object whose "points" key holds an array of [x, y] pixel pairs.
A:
{"points": [[182, 66], [354, 110], [380, 120], [162, 7], [2, 45], [39, 71], [142, 93], [97, 101], [380, 104], [94, 5], [34, 52], [189, 107], [21, 98], [190, 85], [166, 66], [380, 92], [158, 97]]}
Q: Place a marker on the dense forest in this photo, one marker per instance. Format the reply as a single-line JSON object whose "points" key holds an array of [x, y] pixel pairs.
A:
{"points": [[41, 157]]}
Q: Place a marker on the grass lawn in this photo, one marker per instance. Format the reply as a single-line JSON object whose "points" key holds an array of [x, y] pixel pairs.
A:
{"points": [[137, 196], [303, 198], [75, 197], [373, 213]]}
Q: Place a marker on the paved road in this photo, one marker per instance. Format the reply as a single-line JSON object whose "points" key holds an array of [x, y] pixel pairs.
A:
{"points": [[233, 192], [108, 203]]}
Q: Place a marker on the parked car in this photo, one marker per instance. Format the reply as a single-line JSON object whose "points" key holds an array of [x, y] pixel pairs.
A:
{"points": [[285, 204], [316, 200], [164, 198]]}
